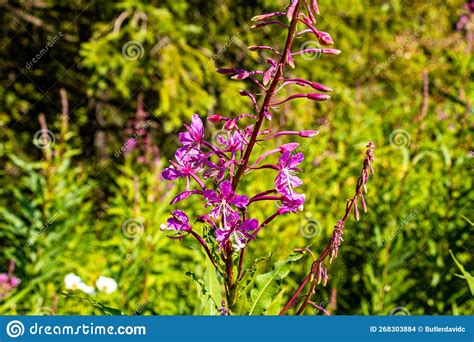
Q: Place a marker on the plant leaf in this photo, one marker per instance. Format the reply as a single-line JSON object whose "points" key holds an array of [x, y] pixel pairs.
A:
{"points": [[267, 285], [465, 274], [212, 284]]}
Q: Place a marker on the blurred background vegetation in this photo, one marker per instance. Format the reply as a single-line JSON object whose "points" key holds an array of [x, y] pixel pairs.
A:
{"points": [[88, 205]]}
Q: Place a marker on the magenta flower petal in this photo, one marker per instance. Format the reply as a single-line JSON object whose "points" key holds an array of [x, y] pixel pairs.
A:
{"points": [[239, 201], [14, 281], [179, 221], [291, 203], [184, 195], [171, 173], [3, 278], [194, 133]]}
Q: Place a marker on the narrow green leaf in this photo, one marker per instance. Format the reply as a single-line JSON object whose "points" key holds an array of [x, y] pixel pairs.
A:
{"points": [[267, 285]]}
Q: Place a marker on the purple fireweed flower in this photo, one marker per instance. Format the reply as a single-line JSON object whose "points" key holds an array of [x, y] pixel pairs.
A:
{"points": [[188, 163], [291, 203], [238, 234], [216, 171], [194, 133], [14, 281], [463, 22], [179, 222], [3, 278], [286, 180], [230, 157], [222, 200], [8, 281], [233, 142]]}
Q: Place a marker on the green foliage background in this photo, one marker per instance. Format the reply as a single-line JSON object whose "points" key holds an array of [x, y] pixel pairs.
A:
{"points": [[420, 200]]}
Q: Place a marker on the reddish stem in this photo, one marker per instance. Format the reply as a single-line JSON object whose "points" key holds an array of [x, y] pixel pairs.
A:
{"points": [[208, 251], [268, 96]]}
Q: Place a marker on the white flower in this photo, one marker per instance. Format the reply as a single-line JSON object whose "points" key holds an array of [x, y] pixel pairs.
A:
{"points": [[72, 281], [86, 288], [106, 284]]}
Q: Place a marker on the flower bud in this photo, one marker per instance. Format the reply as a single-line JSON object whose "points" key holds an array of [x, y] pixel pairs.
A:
{"points": [[314, 4], [328, 51], [216, 118], [230, 124], [289, 147], [325, 38], [289, 59], [356, 210], [267, 16], [320, 87], [308, 133], [318, 97]]}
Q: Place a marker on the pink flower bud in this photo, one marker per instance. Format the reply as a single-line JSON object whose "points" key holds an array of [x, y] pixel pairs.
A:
{"points": [[308, 134], [320, 87], [314, 4], [216, 118], [291, 10], [356, 210], [318, 97], [289, 147], [328, 51], [325, 38], [289, 59], [230, 124], [267, 114], [267, 16]]}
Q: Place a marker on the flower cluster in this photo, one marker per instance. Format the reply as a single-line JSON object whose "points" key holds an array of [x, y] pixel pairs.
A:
{"points": [[319, 269], [213, 168], [8, 281], [463, 23], [103, 284], [140, 138], [216, 166]]}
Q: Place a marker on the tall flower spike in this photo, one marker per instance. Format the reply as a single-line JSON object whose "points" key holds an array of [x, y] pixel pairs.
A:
{"points": [[213, 168], [318, 273]]}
